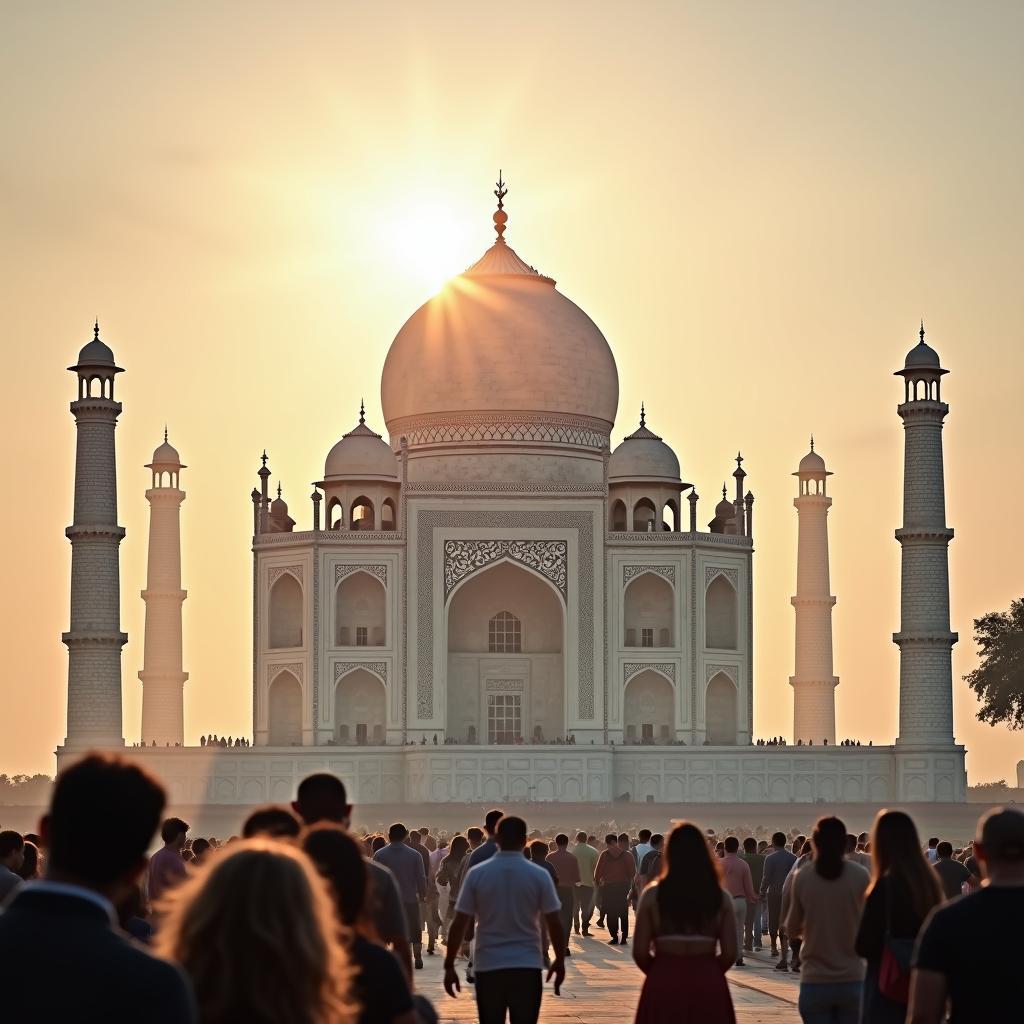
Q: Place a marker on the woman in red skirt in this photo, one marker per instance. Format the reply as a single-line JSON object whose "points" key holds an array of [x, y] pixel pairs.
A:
{"points": [[685, 938]]}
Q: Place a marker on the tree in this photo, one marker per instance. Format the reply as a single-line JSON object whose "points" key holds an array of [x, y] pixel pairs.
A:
{"points": [[999, 679]]}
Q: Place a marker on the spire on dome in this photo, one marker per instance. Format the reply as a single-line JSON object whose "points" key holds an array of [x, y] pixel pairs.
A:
{"points": [[812, 442], [96, 330], [279, 488], [500, 217], [362, 413], [922, 331], [643, 416], [165, 433]]}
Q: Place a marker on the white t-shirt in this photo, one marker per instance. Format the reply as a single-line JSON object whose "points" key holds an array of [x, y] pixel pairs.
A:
{"points": [[507, 895]]}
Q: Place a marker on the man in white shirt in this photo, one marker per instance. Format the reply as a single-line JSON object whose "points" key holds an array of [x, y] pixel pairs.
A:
{"points": [[508, 895]]}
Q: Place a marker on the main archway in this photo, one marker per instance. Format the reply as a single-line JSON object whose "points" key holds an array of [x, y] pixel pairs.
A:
{"points": [[506, 662]]}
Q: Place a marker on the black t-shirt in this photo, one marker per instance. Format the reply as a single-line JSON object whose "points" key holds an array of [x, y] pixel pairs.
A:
{"points": [[970, 941], [380, 985], [952, 874]]}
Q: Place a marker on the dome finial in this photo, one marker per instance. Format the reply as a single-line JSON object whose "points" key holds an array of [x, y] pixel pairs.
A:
{"points": [[723, 491], [643, 415], [263, 458], [165, 433], [500, 217], [812, 442], [279, 488], [96, 330], [922, 330], [362, 412], [739, 460]]}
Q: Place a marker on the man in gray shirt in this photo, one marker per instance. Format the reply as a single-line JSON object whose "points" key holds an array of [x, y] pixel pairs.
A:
{"points": [[407, 867], [776, 867]]}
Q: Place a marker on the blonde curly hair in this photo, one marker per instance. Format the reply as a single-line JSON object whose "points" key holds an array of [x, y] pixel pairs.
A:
{"points": [[255, 931]]}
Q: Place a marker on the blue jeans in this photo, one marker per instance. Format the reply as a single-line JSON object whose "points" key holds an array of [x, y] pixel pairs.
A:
{"points": [[830, 1003]]}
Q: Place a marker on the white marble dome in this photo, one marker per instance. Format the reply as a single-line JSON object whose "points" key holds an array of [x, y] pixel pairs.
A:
{"points": [[498, 339], [643, 455], [812, 464], [361, 454]]}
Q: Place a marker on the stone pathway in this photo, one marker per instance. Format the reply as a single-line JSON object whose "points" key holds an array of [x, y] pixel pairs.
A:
{"points": [[602, 985]]}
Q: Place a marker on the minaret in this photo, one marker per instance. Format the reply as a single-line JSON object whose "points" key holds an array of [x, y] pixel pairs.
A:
{"points": [[94, 640], [163, 680], [814, 685], [924, 639]]}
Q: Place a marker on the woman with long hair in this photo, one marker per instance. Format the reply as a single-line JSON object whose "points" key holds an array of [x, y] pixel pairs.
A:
{"points": [[379, 985], [254, 930], [825, 905], [450, 874], [904, 889], [685, 938]]}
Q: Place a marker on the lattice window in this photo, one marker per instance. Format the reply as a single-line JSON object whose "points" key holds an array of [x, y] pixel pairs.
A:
{"points": [[504, 634], [646, 637], [504, 717]]}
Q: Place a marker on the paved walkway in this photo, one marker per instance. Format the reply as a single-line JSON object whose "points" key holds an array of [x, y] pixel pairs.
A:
{"points": [[602, 985]]}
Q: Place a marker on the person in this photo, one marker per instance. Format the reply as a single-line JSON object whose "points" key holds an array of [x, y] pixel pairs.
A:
{"points": [[406, 865], [856, 855], [965, 953], [274, 821], [586, 858], [650, 864], [450, 873], [825, 909], [776, 867], [322, 797], [63, 957], [167, 866], [643, 846], [952, 874], [200, 851], [904, 889], [933, 850], [685, 937], [12, 853], [263, 903], [537, 852], [429, 907], [753, 925], [738, 883], [567, 868], [379, 985], [481, 853], [614, 875], [508, 896], [30, 862]]}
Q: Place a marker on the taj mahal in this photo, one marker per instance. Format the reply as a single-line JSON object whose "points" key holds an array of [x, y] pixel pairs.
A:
{"points": [[485, 601]]}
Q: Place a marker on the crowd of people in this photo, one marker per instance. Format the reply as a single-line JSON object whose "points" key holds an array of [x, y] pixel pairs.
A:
{"points": [[301, 919]]}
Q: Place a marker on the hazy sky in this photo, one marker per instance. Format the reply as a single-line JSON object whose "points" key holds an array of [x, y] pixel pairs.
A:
{"points": [[756, 202]]}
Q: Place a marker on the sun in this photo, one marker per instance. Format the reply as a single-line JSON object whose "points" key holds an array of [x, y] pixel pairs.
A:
{"points": [[427, 242]]}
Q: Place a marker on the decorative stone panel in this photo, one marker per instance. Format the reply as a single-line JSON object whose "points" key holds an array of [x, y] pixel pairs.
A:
{"points": [[462, 558], [378, 571], [710, 671], [710, 572], [277, 571], [630, 572], [377, 668], [295, 667], [633, 668]]}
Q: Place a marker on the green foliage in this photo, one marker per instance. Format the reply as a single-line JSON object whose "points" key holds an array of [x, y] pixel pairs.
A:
{"points": [[30, 790], [999, 786], [999, 678]]}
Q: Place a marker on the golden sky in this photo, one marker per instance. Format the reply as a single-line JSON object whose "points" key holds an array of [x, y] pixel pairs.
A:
{"points": [[755, 202]]}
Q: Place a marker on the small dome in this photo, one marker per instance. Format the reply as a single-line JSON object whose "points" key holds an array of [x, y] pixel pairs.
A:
{"points": [[166, 457], [922, 356], [96, 354], [279, 507], [643, 456], [724, 509], [812, 464], [361, 454]]}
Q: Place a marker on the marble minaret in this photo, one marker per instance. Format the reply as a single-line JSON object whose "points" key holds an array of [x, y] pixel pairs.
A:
{"points": [[814, 700], [924, 639], [94, 640], [162, 678]]}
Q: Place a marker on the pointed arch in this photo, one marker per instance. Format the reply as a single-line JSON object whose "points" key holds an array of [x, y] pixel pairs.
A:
{"points": [[284, 619], [335, 514], [360, 611], [387, 515], [645, 516], [360, 708], [361, 515], [720, 709], [670, 516], [618, 516], [648, 708], [284, 711], [648, 611], [721, 614]]}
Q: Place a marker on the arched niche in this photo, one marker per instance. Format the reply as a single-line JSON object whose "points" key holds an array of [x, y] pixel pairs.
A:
{"points": [[360, 611], [618, 515], [361, 514], [648, 609], [360, 709], [720, 615], [284, 711], [670, 517], [501, 695], [284, 625], [645, 516], [720, 711], [387, 514], [648, 709]]}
